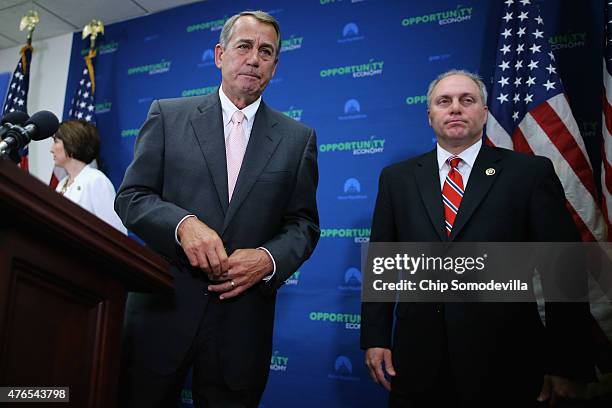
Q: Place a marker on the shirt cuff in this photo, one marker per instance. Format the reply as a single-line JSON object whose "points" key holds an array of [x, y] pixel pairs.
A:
{"points": [[271, 275], [177, 227]]}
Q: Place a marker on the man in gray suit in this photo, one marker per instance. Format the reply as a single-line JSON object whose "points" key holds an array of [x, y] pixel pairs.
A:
{"points": [[225, 188]]}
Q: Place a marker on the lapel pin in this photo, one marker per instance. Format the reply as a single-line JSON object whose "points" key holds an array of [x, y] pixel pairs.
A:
{"points": [[490, 171]]}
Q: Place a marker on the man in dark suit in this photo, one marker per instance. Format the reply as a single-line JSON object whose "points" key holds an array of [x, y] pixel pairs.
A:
{"points": [[468, 354], [225, 188]]}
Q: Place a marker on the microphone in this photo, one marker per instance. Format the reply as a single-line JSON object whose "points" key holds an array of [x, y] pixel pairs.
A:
{"points": [[10, 119], [40, 126]]}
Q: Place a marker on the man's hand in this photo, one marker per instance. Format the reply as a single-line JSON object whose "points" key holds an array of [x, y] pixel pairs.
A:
{"points": [[203, 247], [246, 268], [557, 388], [376, 358]]}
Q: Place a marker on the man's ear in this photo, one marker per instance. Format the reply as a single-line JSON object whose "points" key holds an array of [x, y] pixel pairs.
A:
{"points": [[218, 55]]}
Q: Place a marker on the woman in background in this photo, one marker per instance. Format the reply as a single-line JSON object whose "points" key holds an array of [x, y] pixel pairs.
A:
{"points": [[75, 144]]}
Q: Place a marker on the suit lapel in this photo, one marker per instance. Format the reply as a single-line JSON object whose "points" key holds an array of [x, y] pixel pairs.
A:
{"points": [[207, 123], [428, 182], [262, 144], [479, 183]]}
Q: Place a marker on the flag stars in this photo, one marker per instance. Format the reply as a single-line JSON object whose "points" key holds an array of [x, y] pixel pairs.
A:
{"points": [[521, 31], [505, 49], [507, 17], [518, 81], [520, 48], [81, 82], [515, 116], [502, 98], [504, 65], [528, 98], [503, 81], [533, 64], [530, 81], [523, 16], [517, 98], [88, 118], [549, 85], [519, 64], [540, 20], [538, 34], [82, 105], [508, 2], [525, 2], [86, 94], [80, 115], [88, 84], [90, 108], [551, 70], [535, 48], [551, 55], [84, 72], [507, 33]]}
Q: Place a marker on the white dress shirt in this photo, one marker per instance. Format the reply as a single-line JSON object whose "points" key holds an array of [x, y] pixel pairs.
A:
{"points": [[465, 166]]}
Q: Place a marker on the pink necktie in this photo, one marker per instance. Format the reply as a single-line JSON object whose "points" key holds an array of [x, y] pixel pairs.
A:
{"points": [[452, 193], [235, 147]]}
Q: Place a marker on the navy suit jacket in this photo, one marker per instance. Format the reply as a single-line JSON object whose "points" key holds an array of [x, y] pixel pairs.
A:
{"points": [[489, 345]]}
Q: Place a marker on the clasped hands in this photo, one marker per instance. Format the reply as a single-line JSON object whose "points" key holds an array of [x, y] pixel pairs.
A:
{"points": [[236, 273]]}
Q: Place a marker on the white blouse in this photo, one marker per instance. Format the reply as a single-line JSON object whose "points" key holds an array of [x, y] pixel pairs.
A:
{"points": [[93, 191]]}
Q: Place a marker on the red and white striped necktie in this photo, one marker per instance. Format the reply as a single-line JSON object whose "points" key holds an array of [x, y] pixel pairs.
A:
{"points": [[452, 193]]}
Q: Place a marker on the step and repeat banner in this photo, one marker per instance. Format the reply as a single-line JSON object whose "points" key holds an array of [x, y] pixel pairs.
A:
{"points": [[357, 71]]}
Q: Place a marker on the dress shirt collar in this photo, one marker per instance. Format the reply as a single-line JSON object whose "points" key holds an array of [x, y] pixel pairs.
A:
{"points": [[468, 155], [228, 108]]}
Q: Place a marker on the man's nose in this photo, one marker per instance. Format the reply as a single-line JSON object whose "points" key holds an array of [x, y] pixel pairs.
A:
{"points": [[253, 57], [455, 106]]}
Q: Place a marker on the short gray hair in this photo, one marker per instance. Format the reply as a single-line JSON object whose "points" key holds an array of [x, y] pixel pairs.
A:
{"points": [[474, 77], [261, 16]]}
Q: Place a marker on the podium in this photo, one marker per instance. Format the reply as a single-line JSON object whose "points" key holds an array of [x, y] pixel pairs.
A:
{"points": [[64, 276]]}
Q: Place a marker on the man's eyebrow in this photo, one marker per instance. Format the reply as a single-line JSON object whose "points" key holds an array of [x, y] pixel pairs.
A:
{"points": [[461, 95]]}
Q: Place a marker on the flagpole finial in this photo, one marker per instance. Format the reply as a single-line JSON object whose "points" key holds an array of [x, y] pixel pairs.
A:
{"points": [[93, 29], [29, 22]]}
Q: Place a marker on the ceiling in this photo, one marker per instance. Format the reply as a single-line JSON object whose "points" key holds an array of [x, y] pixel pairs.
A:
{"points": [[59, 17]]}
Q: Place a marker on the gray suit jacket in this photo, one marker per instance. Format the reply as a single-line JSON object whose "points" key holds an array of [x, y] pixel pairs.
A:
{"points": [[179, 168]]}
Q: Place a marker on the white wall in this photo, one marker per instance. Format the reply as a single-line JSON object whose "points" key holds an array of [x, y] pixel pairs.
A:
{"points": [[48, 78]]}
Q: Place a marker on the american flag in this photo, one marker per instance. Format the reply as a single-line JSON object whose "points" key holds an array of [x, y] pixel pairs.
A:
{"points": [[606, 128], [17, 95], [529, 112], [82, 105]]}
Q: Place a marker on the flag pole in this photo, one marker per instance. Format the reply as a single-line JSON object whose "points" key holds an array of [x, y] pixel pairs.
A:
{"points": [[92, 30]]}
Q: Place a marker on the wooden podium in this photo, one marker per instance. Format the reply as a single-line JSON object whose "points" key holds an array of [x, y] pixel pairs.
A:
{"points": [[64, 275]]}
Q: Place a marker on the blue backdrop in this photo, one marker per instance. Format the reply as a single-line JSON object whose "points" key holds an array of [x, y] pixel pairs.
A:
{"points": [[357, 72]]}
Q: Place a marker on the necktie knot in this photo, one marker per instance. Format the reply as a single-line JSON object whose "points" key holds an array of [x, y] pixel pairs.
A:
{"points": [[237, 117], [454, 162]]}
